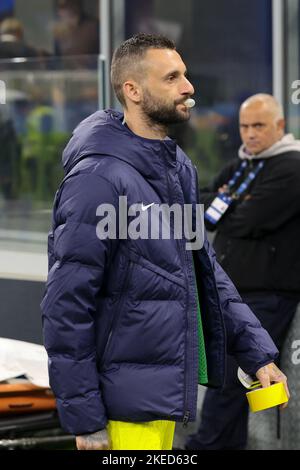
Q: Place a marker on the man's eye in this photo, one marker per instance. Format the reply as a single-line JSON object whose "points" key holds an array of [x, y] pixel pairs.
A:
{"points": [[171, 78], [258, 126]]}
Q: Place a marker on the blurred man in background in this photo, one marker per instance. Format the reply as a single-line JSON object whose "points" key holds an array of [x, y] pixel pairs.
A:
{"points": [[12, 43], [257, 244], [75, 32]]}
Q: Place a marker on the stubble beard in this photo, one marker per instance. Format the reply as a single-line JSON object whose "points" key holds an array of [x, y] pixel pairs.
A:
{"points": [[158, 113]]}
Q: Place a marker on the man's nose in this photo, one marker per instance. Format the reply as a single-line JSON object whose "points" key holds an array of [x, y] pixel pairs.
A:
{"points": [[187, 88], [251, 132]]}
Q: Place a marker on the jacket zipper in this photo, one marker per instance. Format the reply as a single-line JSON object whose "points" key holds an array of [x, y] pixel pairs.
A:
{"points": [[187, 413], [119, 307], [186, 419], [210, 266]]}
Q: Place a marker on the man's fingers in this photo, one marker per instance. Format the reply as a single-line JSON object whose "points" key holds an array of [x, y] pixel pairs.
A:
{"points": [[282, 378], [272, 374], [95, 441], [263, 377], [284, 381], [85, 444], [265, 382], [283, 406], [104, 445]]}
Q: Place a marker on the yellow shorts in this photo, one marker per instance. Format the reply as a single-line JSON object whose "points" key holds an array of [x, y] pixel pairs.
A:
{"points": [[153, 435]]}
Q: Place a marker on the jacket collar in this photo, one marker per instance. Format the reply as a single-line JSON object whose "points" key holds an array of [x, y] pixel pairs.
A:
{"points": [[103, 133]]}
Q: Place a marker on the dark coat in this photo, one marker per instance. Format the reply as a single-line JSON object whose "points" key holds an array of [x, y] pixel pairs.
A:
{"points": [[257, 240], [120, 316]]}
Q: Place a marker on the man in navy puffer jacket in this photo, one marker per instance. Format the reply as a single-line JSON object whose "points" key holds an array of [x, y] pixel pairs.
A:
{"points": [[123, 316]]}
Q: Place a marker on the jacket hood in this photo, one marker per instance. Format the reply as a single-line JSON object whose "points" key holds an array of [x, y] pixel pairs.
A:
{"points": [[103, 133], [288, 143]]}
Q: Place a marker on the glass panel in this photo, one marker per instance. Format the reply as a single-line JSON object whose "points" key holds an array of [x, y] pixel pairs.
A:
{"points": [[45, 100], [228, 52], [50, 79], [49, 27]]}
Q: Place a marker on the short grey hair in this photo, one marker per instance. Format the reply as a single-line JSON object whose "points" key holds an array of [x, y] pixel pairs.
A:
{"points": [[269, 101]]}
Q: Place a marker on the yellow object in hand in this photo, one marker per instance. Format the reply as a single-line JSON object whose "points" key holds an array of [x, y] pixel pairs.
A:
{"points": [[263, 398]]}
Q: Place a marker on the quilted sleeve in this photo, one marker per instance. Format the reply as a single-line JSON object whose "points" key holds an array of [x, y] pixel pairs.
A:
{"points": [[69, 303]]}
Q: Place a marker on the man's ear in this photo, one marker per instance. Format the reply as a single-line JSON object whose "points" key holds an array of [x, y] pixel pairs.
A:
{"points": [[132, 91], [281, 124]]}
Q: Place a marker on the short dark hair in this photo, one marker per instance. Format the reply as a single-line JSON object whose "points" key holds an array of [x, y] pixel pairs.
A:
{"points": [[128, 55], [73, 5]]}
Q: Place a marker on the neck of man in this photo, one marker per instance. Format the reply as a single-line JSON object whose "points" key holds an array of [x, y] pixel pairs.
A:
{"points": [[143, 126]]}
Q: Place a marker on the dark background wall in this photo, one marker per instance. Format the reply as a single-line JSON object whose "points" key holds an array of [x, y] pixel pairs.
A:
{"points": [[20, 316]]}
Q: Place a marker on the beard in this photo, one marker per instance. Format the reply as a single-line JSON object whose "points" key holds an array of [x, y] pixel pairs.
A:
{"points": [[157, 111]]}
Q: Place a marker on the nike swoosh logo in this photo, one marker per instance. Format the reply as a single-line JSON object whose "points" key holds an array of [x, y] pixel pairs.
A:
{"points": [[144, 208]]}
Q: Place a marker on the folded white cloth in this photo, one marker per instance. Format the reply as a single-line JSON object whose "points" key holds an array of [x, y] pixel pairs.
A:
{"points": [[22, 358]]}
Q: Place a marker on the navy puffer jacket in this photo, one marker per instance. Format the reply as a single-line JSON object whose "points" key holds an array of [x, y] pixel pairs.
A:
{"points": [[120, 316]]}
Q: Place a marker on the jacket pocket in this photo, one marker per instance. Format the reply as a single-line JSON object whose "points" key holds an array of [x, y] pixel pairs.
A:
{"points": [[51, 257], [108, 350], [160, 271]]}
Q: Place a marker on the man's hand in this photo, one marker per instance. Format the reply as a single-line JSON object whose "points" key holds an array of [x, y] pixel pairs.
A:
{"points": [[270, 373], [96, 441], [223, 189]]}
